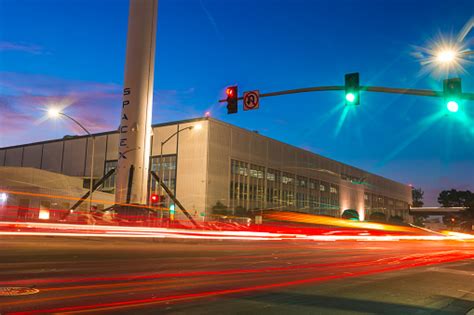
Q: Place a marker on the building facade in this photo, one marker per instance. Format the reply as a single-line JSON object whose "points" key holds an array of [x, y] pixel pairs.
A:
{"points": [[222, 169]]}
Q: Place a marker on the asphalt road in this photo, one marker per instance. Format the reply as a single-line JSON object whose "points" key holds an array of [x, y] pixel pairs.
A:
{"points": [[138, 276]]}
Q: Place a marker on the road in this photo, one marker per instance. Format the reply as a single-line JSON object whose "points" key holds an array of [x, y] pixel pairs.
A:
{"points": [[142, 276]]}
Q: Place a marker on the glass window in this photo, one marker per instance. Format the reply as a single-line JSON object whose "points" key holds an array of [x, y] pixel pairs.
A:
{"points": [[109, 183], [302, 181], [287, 178], [257, 171], [165, 168], [239, 192], [273, 188], [256, 187]]}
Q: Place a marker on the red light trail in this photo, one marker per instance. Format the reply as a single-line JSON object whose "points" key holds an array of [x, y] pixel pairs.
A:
{"points": [[368, 268]]}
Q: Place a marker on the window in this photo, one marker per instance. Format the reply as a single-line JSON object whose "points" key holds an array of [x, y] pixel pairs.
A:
{"points": [[333, 190], [322, 187], [300, 200], [302, 181], [239, 168], [313, 202], [239, 184], [256, 187], [287, 179], [165, 168], [109, 183], [257, 171], [273, 188]]}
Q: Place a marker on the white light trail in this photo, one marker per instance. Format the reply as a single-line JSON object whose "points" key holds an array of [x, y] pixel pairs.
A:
{"points": [[144, 232]]}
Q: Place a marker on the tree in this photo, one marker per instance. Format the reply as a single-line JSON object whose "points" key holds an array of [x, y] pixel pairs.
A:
{"points": [[350, 214], [419, 220], [417, 196], [240, 211], [396, 220], [456, 198], [220, 208], [377, 217]]}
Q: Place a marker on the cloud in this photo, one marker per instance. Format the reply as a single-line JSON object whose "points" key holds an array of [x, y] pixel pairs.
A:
{"points": [[24, 99], [10, 118], [28, 48], [211, 20]]}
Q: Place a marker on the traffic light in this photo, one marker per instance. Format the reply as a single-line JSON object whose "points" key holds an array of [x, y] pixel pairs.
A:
{"points": [[172, 211], [154, 199], [232, 96], [452, 93], [352, 88]]}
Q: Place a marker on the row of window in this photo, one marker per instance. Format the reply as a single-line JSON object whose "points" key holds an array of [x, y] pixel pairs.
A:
{"points": [[272, 175], [163, 166], [256, 187], [377, 201]]}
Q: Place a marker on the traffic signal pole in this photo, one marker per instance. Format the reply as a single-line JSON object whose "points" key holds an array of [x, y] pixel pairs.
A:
{"points": [[380, 89]]}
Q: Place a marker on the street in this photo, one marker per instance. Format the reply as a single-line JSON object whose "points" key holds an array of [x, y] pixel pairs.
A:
{"points": [[144, 276]]}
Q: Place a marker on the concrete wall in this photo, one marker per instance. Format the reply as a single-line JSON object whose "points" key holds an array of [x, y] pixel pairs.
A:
{"points": [[192, 165], [32, 156], [74, 157]]}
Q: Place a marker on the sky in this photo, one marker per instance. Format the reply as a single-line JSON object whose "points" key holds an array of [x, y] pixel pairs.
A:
{"points": [[73, 52]]}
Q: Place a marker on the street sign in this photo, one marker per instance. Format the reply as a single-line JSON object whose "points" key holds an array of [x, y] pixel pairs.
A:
{"points": [[251, 100]]}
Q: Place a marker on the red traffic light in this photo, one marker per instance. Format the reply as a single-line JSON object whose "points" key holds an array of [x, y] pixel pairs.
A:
{"points": [[229, 92], [154, 198], [232, 99]]}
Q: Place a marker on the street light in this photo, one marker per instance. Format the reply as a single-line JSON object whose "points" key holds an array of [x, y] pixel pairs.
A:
{"points": [[196, 127], [55, 113], [446, 56]]}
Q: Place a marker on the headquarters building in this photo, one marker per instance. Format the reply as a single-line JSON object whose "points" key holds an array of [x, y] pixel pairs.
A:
{"points": [[213, 168]]}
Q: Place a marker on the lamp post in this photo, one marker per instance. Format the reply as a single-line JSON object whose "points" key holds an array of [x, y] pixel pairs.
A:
{"points": [[55, 113], [198, 127]]}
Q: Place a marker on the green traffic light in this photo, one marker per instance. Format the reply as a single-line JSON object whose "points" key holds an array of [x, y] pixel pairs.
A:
{"points": [[452, 106], [350, 97]]}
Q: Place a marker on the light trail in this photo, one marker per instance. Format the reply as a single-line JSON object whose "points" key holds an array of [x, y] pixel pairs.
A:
{"points": [[72, 198], [77, 230], [330, 221], [108, 306], [319, 266]]}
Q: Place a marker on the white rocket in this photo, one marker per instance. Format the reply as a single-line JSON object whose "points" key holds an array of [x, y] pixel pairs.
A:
{"points": [[135, 125]]}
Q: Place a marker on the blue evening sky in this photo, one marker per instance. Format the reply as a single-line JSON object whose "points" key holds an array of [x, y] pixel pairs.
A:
{"points": [[58, 52]]}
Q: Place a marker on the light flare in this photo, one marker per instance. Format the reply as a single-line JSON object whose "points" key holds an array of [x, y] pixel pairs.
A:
{"points": [[443, 56]]}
